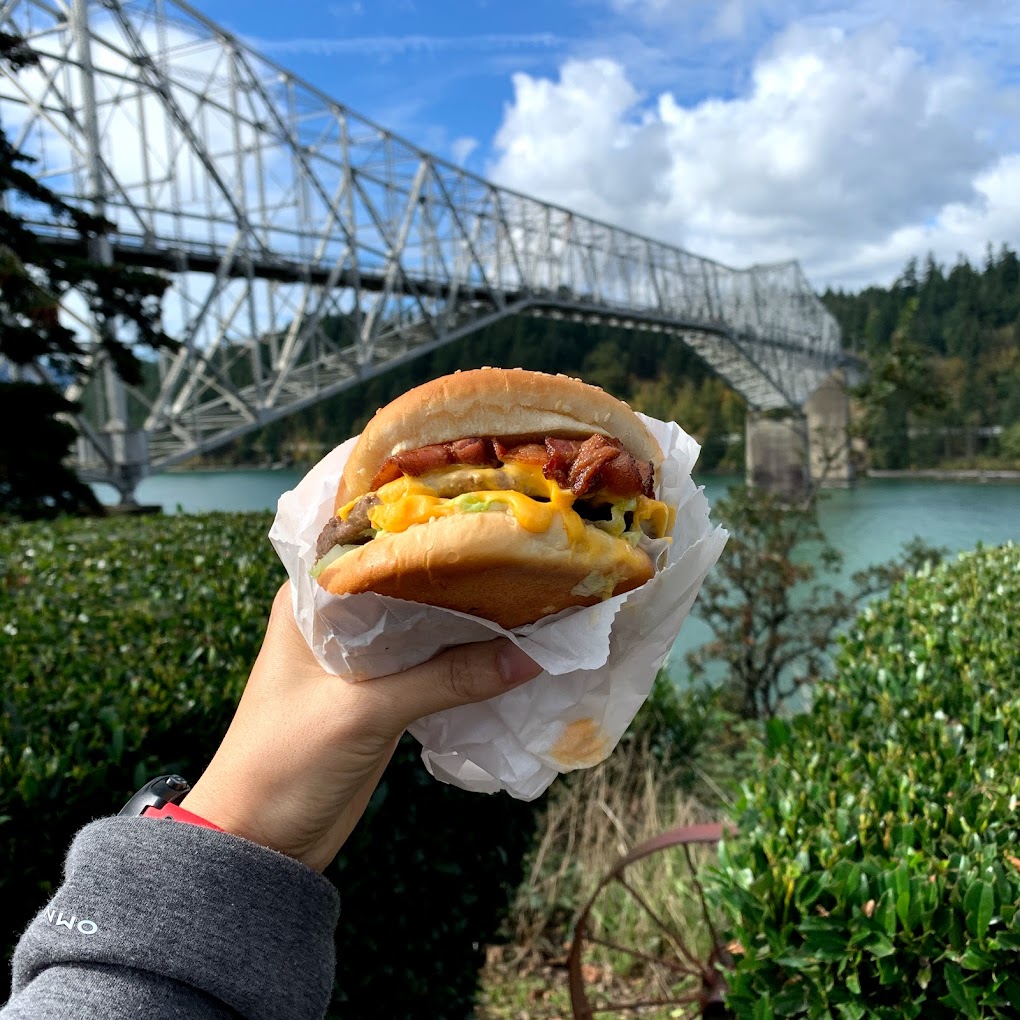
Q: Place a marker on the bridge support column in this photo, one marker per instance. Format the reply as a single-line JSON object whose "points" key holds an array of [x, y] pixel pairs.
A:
{"points": [[776, 453], [788, 453], [130, 451], [827, 411], [125, 449], [117, 457]]}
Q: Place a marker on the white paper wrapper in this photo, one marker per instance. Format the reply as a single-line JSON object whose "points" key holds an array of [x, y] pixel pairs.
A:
{"points": [[604, 658]]}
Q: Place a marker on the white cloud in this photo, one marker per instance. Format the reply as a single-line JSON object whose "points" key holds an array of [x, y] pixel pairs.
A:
{"points": [[959, 228], [731, 19], [461, 149], [847, 150], [577, 142]]}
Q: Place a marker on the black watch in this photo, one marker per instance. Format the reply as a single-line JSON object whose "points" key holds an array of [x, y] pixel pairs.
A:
{"points": [[159, 798], [157, 794]]}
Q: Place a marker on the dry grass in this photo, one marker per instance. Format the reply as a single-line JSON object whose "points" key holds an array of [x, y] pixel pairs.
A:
{"points": [[542, 994], [592, 818]]}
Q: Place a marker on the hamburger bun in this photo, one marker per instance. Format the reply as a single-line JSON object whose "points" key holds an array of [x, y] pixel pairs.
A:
{"points": [[487, 565], [492, 402]]}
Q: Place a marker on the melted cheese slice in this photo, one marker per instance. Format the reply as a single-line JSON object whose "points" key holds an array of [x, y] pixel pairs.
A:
{"points": [[465, 489], [658, 514]]}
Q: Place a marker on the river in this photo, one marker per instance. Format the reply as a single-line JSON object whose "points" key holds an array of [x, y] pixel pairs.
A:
{"points": [[868, 524]]}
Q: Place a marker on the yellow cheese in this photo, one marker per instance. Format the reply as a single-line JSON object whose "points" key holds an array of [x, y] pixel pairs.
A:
{"points": [[408, 501], [662, 517]]}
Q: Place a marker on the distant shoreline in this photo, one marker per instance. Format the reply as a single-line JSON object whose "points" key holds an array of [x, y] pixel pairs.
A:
{"points": [[206, 469], [951, 474]]}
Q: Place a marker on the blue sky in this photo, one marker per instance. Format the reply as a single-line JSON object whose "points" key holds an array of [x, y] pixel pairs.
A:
{"points": [[847, 133], [433, 72]]}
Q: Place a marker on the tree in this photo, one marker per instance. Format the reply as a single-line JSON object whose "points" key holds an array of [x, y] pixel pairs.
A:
{"points": [[1009, 442], [774, 622], [901, 387], [39, 353], [933, 326]]}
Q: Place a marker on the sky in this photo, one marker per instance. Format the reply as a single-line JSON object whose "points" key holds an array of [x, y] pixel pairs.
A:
{"points": [[848, 135]]}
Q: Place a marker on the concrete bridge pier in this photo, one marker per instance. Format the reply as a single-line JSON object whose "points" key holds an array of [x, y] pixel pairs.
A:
{"points": [[776, 453], [827, 411], [789, 453]]}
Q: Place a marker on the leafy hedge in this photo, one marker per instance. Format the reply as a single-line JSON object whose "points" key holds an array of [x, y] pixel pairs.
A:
{"points": [[878, 869], [124, 645]]}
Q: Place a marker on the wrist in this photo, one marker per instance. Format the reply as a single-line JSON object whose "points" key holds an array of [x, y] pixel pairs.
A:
{"points": [[208, 808], [258, 821], [226, 811]]}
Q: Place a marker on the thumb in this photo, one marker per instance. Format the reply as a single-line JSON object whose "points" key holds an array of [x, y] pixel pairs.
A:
{"points": [[459, 676]]}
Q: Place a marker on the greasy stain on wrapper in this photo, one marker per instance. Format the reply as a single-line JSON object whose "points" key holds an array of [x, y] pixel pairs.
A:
{"points": [[582, 743]]}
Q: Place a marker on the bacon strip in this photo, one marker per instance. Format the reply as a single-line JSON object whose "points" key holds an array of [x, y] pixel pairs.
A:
{"points": [[523, 453], [479, 452], [624, 476], [596, 464], [389, 472], [474, 451], [593, 454], [561, 456]]}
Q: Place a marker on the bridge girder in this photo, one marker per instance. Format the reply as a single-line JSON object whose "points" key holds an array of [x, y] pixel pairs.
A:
{"points": [[281, 213]]}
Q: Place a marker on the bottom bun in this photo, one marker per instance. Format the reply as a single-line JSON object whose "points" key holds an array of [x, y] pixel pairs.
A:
{"points": [[487, 565]]}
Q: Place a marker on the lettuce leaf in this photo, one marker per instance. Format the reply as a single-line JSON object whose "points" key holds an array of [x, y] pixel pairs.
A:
{"points": [[331, 557], [617, 525]]}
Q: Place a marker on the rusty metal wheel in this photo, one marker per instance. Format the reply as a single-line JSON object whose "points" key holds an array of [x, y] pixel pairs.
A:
{"points": [[677, 961]]}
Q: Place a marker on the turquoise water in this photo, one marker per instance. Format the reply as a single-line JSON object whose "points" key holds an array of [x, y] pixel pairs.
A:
{"points": [[868, 524], [193, 492]]}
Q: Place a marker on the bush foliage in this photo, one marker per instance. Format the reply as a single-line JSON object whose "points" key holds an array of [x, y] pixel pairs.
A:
{"points": [[877, 873], [124, 646]]}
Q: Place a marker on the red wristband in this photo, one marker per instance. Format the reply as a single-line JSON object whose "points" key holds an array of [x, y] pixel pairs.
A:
{"points": [[178, 814]]}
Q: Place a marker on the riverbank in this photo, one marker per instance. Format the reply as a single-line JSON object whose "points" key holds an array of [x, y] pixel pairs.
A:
{"points": [[951, 474]]}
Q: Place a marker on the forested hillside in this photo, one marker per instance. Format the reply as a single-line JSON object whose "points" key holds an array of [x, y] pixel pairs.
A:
{"points": [[944, 351]]}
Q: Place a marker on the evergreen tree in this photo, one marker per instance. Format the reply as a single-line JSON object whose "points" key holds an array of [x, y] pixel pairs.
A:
{"points": [[39, 353], [943, 350]]}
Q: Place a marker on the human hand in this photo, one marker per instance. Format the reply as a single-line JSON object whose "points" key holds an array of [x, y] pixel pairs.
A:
{"points": [[306, 749]]}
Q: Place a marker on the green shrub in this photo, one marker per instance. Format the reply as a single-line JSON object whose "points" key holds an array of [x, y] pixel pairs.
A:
{"points": [[877, 873], [124, 645]]}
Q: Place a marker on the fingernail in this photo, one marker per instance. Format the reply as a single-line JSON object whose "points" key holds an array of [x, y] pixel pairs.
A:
{"points": [[515, 666]]}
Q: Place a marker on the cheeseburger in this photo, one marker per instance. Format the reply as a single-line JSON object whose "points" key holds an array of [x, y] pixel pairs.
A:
{"points": [[505, 494]]}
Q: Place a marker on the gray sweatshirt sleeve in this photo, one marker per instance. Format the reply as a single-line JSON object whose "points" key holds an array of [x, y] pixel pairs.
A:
{"points": [[161, 920]]}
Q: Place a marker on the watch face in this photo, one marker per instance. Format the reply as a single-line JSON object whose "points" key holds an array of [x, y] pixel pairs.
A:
{"points": [[156, 793]]}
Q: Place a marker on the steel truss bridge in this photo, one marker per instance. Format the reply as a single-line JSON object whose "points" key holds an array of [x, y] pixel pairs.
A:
{"points": [[281, 214]]}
